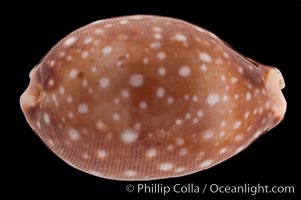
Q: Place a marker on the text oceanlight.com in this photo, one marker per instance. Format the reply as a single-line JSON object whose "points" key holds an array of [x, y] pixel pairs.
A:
{"points": [[190, 188]]}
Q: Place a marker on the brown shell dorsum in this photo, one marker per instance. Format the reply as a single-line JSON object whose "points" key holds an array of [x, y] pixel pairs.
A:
{"points": [[147, 97]]}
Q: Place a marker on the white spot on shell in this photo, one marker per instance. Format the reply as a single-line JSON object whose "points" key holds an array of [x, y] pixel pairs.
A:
{"points": [[96, 173], [160, 92], [69, 41], [206, 163], [107, 50], [85, 54], [205, 57], [180, 169], [123, 22], [246, 115], [62, 54], [39, 125], [184, 71], [151, 153], [116, 117], [183, 151], [143, 105], [225, 98], [240, 70], [187, 116], [62, 90], [195, 120], [102, 154], [70, 115], [69, 99], [73, 73], [161, 71], [125, 93], [93, 69], [157, 29], [166, 166], [178, 122], [200, 113], [195, 98], [52, 63], [145, 61], [46, 118], [237, 124], [98, 31], [238, 137], [179, 141], [104, 82], [157, 36], [170, 100], [161, 55], [83, 108], [234, 80], [223, 150], [69, 57], [53, 97], [180, 37], [267, 105], [203, 67], [129, 136], [213, 99], [51, 142], [73, 134], [222, 133], [207, 134], [100, 125], [85, 83], [136, 80], [130, 173], [88, 40], [248, 96], [155, 45]]}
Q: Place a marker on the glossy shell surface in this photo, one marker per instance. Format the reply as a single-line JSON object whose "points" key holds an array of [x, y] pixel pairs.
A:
{"points": [[147, 97]]}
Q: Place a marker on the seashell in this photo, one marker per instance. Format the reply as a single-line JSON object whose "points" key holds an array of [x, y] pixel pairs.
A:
{"points": [[147, 97]]}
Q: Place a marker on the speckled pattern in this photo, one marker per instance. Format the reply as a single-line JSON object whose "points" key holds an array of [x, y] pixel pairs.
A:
{"points": [[146, 97]]}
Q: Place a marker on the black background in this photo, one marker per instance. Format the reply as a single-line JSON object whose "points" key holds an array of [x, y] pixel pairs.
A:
{"points": [[268, 33]]}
